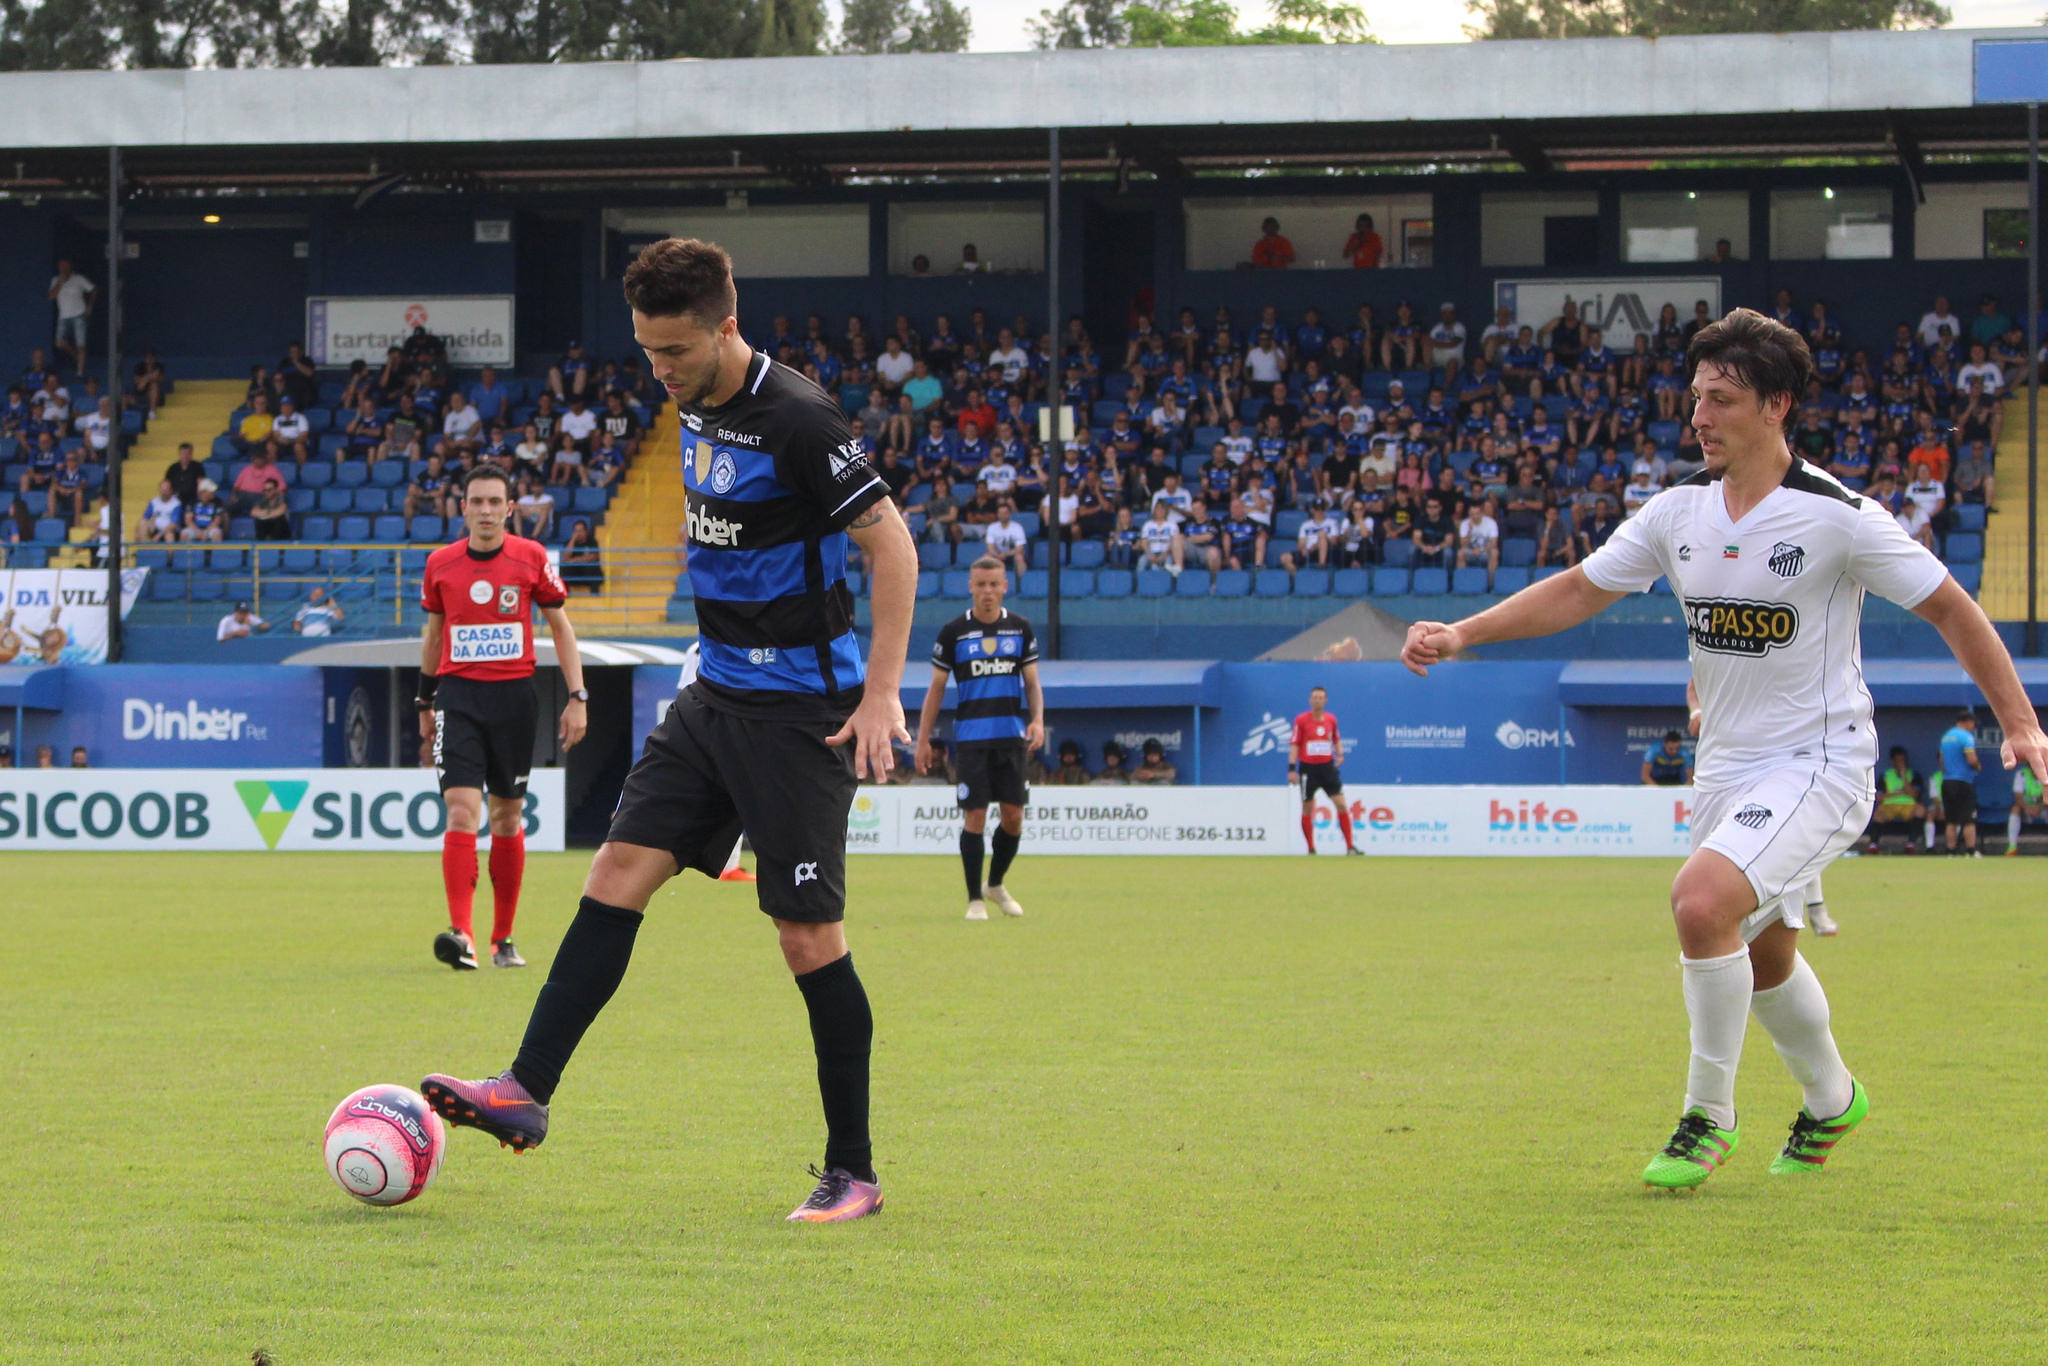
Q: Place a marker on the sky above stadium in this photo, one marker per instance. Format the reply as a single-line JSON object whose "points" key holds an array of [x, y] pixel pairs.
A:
{"points": [[999, 24]]}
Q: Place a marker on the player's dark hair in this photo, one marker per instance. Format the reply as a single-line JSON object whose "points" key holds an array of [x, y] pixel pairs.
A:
{"points": [[1897, 750], [1966, 715], [1321, 689], [681, 275], [1761, 354], [986, 562], [485, 472], [1674, 735]]}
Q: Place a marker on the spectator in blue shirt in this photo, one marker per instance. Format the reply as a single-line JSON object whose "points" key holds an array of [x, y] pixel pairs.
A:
{"points": [[488, 397], [1959, 769]]}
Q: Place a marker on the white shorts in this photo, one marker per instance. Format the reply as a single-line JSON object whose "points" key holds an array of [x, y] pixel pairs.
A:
{"points": [[1782, 828]]}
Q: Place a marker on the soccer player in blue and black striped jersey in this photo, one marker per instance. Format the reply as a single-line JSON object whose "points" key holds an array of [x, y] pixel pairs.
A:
{"points": [[782, 720], [998, 721]]}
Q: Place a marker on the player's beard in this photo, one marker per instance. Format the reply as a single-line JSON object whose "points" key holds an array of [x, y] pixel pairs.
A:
{"points": [[695, 396]]}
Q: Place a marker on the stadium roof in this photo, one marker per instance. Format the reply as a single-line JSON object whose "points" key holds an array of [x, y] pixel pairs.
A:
{"points": [[821, 120]]}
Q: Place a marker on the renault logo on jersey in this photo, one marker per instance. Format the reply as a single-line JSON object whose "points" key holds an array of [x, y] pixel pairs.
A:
{"points": [[1731, 627], [1787, 560]]}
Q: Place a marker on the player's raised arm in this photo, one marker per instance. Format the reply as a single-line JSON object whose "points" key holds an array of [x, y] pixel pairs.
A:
{"points": [[892, 574], [576, 712], [1969, 633], [1556, 604]]}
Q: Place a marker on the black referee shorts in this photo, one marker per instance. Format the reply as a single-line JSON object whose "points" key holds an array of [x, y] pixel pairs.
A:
{"points": [[483, 734], [707, 773], [992, 773], [1321, 778], [1958, 801]]}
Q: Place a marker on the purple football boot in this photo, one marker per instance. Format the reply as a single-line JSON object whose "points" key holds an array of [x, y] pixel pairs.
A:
{"points": [[840, 1196], [499, 1106]]}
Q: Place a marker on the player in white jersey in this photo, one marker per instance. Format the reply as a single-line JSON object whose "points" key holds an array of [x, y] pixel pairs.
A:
{"points": [[1770, 559], [1810, 901]]}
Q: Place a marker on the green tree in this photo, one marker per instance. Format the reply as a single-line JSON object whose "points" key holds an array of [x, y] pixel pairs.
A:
{"points": [[1196, 23], [1670, 18], [869, 26]]}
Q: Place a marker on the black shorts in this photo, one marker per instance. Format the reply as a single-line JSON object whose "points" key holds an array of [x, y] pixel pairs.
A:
{"points": [[708, 773], [1958, 801], [483, 734], [1321, 778], [992, 773]]}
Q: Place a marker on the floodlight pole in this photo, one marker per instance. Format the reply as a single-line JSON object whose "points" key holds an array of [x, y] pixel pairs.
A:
{"points": [[1055, 397], [112, 484], [2033, 636]]}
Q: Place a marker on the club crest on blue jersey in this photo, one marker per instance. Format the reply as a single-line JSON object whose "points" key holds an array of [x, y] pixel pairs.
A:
{"points": [[725, 472]]}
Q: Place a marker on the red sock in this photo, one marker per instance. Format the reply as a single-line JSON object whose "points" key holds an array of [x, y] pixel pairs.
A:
{"points": [[1344, 824], [458, 876], [1308, 829], [508, 866]]}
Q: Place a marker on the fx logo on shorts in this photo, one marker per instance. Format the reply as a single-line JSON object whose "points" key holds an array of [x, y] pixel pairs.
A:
{"points": [[806, 872]]}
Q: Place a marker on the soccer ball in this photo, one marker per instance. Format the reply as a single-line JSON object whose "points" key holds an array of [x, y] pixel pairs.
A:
{"points": [[384, 1144]]}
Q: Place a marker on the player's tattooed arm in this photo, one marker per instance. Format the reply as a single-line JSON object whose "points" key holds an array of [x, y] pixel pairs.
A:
{"points": [[872, 517]]}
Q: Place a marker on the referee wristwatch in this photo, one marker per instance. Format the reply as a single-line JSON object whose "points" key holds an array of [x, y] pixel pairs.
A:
{"points": [[579, 694]]}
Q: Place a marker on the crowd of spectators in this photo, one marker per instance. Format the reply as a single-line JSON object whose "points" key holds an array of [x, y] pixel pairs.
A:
{"points": [[1389, 441]]}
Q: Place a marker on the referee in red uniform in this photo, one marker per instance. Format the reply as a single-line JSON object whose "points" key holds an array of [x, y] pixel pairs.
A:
{"points": [[476, 703], [1314, 755]]}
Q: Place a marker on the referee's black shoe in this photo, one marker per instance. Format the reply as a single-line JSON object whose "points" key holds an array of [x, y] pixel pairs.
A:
{"points": [[452, 947]]}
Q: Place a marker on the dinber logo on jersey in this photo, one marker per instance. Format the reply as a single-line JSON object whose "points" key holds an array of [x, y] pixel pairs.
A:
{"points": [[1731, 627]]}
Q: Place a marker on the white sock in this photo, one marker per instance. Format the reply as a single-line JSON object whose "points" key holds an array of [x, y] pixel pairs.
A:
{"points": [[1796, 1013], [1928, 841], [1717, 992], [2012, 825]]}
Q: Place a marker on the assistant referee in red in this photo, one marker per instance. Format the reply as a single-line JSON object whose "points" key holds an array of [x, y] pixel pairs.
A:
{"points": [[477, 704]]}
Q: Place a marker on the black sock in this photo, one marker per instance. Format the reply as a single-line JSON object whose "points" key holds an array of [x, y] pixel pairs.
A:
{"points": [[1002, 848], [586, 971], [842, 1030], [970, 859]]}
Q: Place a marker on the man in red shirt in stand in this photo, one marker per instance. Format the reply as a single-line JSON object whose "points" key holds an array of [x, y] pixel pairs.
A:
{"points": [[1314, 754], [476, 702]]}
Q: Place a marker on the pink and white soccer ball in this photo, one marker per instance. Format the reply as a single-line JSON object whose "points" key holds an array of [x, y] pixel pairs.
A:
{"points": [[384, 1144]]}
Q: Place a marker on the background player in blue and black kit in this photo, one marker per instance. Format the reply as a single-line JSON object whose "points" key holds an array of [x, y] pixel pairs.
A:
{"points": [[998, 721], [776, 730]]}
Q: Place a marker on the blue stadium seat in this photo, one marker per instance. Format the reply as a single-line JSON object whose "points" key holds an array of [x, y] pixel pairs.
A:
{"points": [[336, 500], [52, 530], [1964, 547], [355, 591], [1431, 582], [1469, 580], [1086, 555], [927, 583], [1105, 410], [282, 590], [1034, 583], [1029, 521], [1390, 581], [315, 475], [390, 527], [1970, 576], [227, 561], [207, 590], [269, 561], [331, 444], [1114, 387], [1204, 440], [217, 470], [934, 555], [166, 587], [1548, 571], [388, 474], [1963, 516], [302, 500], [1193, 583], [1271, 583], [1661, 588], [330, 392], [152, 557], [1077, 583], [963, 492], [352, 474], [1510, 579], [1398, 554], [425, 528], [355, 527], [1112, 583], [224, 448], [372, 498], [684, 589], [320, 418], [590, 500], [1665, 434], [1155, 583], [1351, 583], [186, 558], [918, 496], [298, 560], [1518, 552], [1232, 583], [856, 583], [1287, 524], [953, 584], [1311, 582]]}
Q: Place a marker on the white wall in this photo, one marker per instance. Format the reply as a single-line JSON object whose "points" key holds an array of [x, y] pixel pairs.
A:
{"points": [[1008, 234], [1220, 232], [1950, 225], [768, 241], [1712, 214], [1511, 225]]}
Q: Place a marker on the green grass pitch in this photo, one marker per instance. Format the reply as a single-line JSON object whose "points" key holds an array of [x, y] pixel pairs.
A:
{"points": [[1193, 1110]]}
